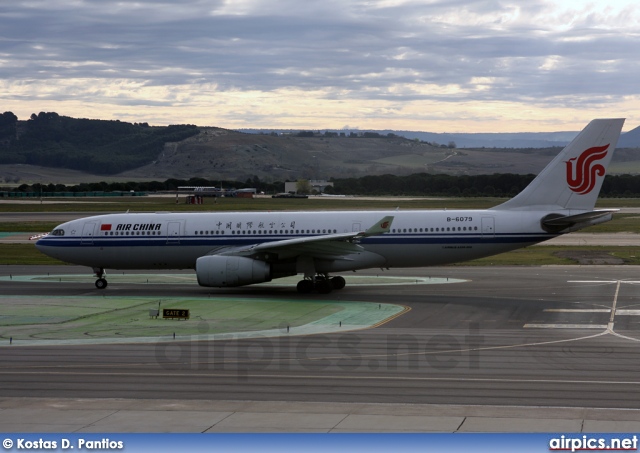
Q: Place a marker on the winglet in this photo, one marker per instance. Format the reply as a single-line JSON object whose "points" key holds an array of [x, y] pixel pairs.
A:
{"points": [[380, 227]]}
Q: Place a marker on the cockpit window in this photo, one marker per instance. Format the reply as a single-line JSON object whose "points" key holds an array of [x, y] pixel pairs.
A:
{"points": [[58, 232]]}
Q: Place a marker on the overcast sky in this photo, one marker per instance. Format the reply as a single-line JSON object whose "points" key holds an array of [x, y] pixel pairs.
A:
{"points": [[430, 65]]}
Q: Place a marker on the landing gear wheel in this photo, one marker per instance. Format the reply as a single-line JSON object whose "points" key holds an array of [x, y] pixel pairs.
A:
{"points": [[305, 286], [101, 283], [338, 282], [324, 286]]}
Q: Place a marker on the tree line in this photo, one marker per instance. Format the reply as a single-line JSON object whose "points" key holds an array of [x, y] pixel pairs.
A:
{"points": [[94, 146], [493, 185], [419, 184]]}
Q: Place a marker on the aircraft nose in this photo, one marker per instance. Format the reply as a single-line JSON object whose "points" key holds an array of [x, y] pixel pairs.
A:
{"points": [[40, 243], [43, 242]]}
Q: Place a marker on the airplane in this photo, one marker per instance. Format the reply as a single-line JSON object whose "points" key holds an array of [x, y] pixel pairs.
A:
{"points": [[242, 248]]}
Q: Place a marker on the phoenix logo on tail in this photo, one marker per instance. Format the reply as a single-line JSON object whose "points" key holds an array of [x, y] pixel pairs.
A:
{"points": [[582, 180]]}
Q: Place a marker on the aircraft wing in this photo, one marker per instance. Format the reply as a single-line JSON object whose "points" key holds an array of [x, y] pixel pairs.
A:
{"points": [[331, 246]]}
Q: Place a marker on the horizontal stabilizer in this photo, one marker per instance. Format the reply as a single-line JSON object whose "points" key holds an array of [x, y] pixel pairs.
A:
{"points": [[557, 222]]}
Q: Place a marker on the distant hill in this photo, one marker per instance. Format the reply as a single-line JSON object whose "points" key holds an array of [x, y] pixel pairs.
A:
{"points": [[630, 139], [463, 140], [496, 140], [516, 140], [125, 151], [93, 146], [224, 154]]}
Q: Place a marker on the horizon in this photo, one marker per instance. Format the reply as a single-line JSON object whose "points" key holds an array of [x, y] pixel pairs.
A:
{"points": [[353, 129]]}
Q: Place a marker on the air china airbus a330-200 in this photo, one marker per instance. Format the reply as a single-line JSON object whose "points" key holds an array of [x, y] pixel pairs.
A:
{"points": [[243, 248]]}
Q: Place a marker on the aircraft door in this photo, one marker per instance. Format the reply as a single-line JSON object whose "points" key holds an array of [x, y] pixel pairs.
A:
{"points": [[174, 232], [88, 231], [488, 227], [356, 227]]}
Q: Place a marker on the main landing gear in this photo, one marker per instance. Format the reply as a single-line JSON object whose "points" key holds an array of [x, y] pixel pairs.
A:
{"points": [[101, 282], [322, 283]]}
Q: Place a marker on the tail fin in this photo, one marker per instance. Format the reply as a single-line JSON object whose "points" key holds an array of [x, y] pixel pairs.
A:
{"points": [[573, 179]]}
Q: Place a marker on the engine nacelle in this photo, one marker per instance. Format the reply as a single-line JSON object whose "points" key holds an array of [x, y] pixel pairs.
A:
{"points": [[221, 271]]}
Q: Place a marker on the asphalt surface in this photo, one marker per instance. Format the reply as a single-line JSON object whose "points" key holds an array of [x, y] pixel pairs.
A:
{"points": [[535, 337], [511, 349]]}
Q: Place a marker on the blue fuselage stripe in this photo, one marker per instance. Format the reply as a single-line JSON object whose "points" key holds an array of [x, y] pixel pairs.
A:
{"points": [[243, 240]]}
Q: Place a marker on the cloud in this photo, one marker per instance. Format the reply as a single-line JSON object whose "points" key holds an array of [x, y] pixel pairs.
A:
{"points": [[241, 63]]}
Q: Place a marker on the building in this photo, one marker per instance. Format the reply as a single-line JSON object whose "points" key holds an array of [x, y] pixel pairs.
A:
{"points": [[318, 185]]}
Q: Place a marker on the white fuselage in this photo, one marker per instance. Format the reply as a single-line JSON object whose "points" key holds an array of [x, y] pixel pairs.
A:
{"points": [[177, 240]]}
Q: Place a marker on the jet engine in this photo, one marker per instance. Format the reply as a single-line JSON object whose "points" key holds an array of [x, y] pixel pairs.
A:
{"points": [[221, 271]]}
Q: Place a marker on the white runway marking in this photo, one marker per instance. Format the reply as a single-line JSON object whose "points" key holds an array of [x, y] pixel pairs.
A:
{"points": [[613, 308], [577, 310], [565, 326], [625, 312], [592, 281], [607, 328]]}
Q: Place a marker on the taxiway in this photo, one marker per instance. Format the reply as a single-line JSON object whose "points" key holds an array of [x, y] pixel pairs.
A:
{"points": [[522, 348]]}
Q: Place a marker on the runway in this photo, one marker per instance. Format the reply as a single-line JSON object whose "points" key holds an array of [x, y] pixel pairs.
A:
{"points": [[524, 338]]}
